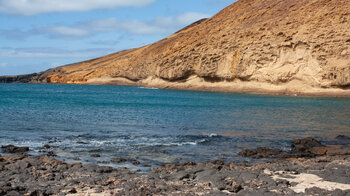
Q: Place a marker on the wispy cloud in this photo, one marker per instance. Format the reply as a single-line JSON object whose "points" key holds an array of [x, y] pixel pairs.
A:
{"points": [[3, 64], [105, 42], [67, 31], [159, 25], [33, 7], [51, 53], [190, 17]]}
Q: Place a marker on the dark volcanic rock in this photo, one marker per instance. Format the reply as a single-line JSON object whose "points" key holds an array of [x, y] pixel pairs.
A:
{"points": [[261, 152], [342, 137], [46, 146], [22, 174], [95, 155], [305, 145], [118, 160], [45, 175], [135, 162], [82, 143], [51, 154], [14, 149]]}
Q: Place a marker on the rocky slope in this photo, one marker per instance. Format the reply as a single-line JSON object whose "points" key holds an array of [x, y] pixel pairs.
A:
{"points": [[251, 46]]}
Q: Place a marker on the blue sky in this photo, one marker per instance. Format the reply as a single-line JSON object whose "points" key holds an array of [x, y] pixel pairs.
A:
{"points": [[36, 35]]}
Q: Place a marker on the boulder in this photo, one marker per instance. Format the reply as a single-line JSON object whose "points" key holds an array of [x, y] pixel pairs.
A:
{"points": [[95, 155], [46, 146], [305, 145], [342, 137], [14, 149], [118, 160]]}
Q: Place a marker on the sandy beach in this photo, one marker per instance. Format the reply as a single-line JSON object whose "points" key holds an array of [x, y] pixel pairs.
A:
{"points": [[250, 87]]}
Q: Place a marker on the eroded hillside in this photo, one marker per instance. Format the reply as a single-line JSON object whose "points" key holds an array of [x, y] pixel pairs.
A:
{"points": [[299, 45]]}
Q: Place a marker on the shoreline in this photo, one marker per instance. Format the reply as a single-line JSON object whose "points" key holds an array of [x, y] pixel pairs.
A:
{"points": [[26, 175], [293, 88], [310, 168], [195, 83]]}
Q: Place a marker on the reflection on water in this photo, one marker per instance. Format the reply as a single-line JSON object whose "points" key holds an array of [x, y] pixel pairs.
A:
{"points": [[157, 126]]}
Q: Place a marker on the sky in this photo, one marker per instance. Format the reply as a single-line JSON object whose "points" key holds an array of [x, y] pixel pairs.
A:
{"points": [[36, 35]]}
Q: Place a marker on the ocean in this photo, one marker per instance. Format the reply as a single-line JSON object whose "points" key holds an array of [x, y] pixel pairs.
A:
{"points": [[156, 126]]}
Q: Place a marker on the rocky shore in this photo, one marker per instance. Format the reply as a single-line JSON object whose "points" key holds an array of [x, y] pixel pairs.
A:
{"points": [[310, 168]]}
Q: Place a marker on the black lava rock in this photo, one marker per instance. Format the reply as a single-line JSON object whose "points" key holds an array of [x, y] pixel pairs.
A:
{"points": [[304, 145], [14, 149]]}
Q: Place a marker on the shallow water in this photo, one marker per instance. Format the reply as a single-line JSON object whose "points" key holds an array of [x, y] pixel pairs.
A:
{"points": [[160, 126]]}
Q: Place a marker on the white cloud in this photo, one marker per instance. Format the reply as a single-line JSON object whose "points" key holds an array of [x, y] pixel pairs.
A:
{"points": [[105, 42], [51, 53], [190, 17], [67, 31], [159, 25], [3, 64], [33, 7]]}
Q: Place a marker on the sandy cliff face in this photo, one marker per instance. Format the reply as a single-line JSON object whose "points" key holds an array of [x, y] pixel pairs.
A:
{"points": [[291, 45]]}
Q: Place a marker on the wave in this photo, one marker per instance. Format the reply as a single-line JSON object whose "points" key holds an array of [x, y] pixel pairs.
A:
{"points": [[213, 135], [193, 143], [150, 88]]}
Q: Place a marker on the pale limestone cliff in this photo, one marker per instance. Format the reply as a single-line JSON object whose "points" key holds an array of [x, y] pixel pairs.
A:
{"points": [[276, 45]]}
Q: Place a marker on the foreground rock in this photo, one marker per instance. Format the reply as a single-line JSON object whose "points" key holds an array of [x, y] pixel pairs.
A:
{"points": [[22, 174]]}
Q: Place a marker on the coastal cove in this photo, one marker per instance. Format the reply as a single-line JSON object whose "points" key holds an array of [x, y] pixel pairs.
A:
{"points": [[178, 98], [152, 127]]}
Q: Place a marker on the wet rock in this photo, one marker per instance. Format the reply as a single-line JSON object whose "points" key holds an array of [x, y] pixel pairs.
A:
{"points": [[188, 163], [118, 160], [51, 154], [14, 149], [135, 162], [104, 162], [305, 145], [218, 162], [45, 175], [104, 169], [261, 152], [319, 151], [82, 143], [342, 137], [95, 155], [161, 151], [46, 146], [52, 141]]}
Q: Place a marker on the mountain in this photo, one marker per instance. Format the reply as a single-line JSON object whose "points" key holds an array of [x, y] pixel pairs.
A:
{"points": [[256, 46]]}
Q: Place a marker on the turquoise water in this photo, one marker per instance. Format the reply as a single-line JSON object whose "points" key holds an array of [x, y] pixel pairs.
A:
{"points": [[160, 126]]}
